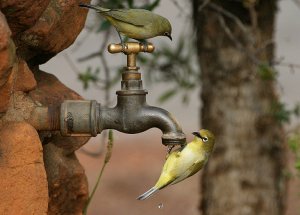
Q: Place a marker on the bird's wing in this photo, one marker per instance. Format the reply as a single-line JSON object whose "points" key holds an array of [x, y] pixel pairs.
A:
{"points": [[169, 173], [194, 168], [137, 17], [171, 159]]}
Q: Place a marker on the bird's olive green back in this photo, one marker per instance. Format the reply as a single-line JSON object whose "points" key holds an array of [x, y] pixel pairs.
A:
{"points": [[137, 17]]}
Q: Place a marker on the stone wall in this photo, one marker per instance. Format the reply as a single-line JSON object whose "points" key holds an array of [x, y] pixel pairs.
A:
{"points": [[40, 173]]}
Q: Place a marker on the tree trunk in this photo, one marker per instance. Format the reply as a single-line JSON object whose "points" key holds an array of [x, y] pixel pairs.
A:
{"points": [[244, 174]]}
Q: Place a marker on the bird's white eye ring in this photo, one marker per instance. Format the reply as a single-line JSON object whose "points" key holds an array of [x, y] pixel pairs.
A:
{"points": [[205, 139]]}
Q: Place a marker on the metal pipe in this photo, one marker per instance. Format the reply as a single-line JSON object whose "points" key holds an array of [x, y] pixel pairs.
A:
{"points": [[45, 118], [88, 118], [162, 119]]}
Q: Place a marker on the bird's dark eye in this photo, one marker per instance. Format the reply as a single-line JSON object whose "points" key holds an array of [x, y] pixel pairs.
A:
{"points": [[205, 139], [166, 33]]}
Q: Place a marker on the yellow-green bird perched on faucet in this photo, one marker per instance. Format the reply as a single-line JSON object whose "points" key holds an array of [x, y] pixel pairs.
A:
{"points": [[184, 162], [138, 24]]}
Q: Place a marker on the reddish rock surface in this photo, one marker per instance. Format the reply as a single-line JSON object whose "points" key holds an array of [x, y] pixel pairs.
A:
{"points": [[42, 28], [39, 29], [24, 187], [5, 93], [22, 14], [20, 79], [7, 57], [7, 50], [68, 189], [50, 90], [24, 79]]}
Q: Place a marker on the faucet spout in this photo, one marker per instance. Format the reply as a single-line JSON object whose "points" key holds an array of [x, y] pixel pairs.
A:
{"points": [[162, 119]]}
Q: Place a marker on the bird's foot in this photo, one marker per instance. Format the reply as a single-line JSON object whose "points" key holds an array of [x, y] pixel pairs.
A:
{"points": [[170, 147], [145, 44], [124, 46]]}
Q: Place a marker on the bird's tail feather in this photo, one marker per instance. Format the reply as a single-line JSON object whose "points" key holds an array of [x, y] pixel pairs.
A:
{"points": [[95, 7], [147, 194]]}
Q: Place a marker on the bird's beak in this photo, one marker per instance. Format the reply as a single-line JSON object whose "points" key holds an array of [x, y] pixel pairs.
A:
{"points": [[83, 5], [197, 134], [170, 37]]}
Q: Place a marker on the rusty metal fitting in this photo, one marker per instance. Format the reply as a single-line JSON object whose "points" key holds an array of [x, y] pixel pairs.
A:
{"points": [[169, 139], [131, 76], [88, 118], [45, 118], [79, 118]]}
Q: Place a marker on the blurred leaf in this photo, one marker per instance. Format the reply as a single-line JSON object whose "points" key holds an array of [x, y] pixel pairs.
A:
{"points": [[187, 84], [130, 3], [174, 65], [113, 4], [297, 110], [287, 174], [116, 79], [151, 6], [142, 59], [180, 45], [185, 99], [166, 51], [105, 25], [280, 112], [266, 72], [167, 95], [294, 145], [87, 77], [294, 142], [297, 164]]}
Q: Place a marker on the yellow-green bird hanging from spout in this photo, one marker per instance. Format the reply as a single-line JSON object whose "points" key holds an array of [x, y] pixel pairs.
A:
{"points": [[137, 24], [184, 162]]}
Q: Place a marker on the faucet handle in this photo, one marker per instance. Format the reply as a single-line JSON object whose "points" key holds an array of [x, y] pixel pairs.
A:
{"points": [[131, 48]]}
